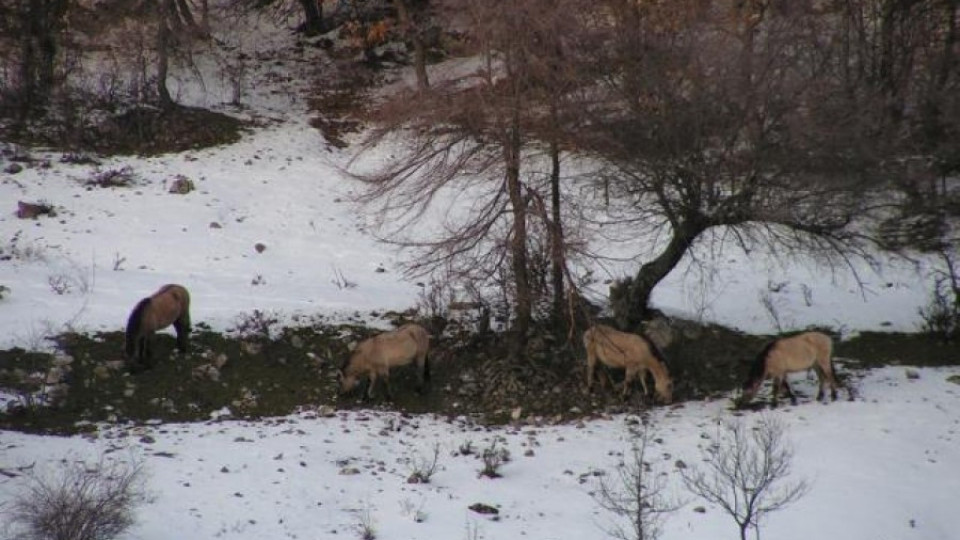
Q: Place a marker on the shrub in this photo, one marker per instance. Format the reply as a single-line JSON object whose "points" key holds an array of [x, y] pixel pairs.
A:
{"points": [[423, 468], [941, 317], [493, 458], [79, 503]]}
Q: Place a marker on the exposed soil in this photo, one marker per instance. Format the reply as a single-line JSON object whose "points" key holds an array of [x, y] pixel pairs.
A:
{"points": [[470, 376]]}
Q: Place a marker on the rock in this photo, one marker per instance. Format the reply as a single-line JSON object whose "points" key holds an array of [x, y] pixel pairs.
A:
{"points": [[181, 185], [326, 411], [220, 360], [27, 210], [260, 247], [62, 360], [101, 372], [482, 508], [54, 375], [250, 348], [912, 374]]}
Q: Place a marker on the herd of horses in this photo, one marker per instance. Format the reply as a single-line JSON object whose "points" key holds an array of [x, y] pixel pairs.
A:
{"points": [[373, 358]]}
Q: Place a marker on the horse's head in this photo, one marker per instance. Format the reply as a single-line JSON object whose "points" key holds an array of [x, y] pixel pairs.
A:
{"points": [[664, 387], [349, 372], [749, 389], [348, 381]]}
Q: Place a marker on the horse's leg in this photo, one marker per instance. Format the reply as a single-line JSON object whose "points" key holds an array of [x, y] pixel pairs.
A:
{"points": [[832, 378], [136, 361], [591, 366], [385, 375], [423, 373], [183, 329], [628, 376], [642, 374], [788, 390], [821, 383], [372, 380], [774, 391], [148, 351]]}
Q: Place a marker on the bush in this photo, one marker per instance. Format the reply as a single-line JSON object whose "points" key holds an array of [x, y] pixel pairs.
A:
{"points": [[79, 503], [493, 457], [941, 317], [423, 468]]}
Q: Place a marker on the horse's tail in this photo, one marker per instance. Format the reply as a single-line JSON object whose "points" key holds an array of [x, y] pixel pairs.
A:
{"points": [[426, 367], [134, 324]]}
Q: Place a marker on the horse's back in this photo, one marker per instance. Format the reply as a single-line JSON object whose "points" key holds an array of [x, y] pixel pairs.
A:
{"points": [[802, 351], [397, 347], [418, 334], [616, 348], [168, 304]]}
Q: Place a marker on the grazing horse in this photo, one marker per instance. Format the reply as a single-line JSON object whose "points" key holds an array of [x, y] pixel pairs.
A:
{"points": [[634, 353], [169, 305], [374, 357], [789, 354]]}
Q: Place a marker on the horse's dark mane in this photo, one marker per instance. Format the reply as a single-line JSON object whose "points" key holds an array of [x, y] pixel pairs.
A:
{"points": [[760, 363], [346, 361], [655, 350], [136, 318]]}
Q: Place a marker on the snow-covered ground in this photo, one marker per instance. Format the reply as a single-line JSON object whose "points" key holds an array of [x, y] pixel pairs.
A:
{"points": [[883, 466]]}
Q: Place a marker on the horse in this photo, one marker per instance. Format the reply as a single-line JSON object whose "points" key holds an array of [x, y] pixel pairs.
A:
{"points": [[789, 354], [169, 305], [636, 354], [374, 357]]}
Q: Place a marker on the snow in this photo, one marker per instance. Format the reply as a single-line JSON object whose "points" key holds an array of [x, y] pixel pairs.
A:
{"points": [[882, 466]]}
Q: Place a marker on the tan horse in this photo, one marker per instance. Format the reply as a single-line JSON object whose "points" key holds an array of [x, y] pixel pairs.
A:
{"points": [[789, 354], [633, 353], [375, 356], [169, 305]]}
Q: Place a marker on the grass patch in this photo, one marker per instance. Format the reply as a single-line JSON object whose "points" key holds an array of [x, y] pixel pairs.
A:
{"points": [[275, 373]]}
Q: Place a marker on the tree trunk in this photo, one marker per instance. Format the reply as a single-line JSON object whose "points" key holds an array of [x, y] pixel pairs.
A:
{"points": [[312, 17], [412, 33], [28, 62], [556, 236], [166, 8], [40, 22], [633, 308], [947, 57], [518, 241]]}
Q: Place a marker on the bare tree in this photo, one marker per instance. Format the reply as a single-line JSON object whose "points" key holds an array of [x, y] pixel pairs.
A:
{"points": [[746, 473], [481, 133], [713, 118], [636, 494]]}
